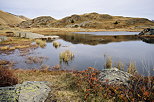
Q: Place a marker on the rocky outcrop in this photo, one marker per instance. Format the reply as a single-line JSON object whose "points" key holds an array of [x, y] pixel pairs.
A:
{"points": [[43, 21], [30, 91], [147, 31], [114, 76]]}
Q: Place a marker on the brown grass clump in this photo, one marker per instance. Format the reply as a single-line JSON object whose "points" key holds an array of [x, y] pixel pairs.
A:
{"points": [[132, 68], [120, 66], [56, 44], [66, 56], [41, 43], [108, 63], [7, 77]]}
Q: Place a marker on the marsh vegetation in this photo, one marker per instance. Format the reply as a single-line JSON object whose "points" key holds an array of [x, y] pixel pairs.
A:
{"points": [[66, 56]]}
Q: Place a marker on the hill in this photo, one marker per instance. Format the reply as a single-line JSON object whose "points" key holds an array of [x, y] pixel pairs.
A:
{"points": [[9, 19], [89, 20], [43, 21], [23, 17]]}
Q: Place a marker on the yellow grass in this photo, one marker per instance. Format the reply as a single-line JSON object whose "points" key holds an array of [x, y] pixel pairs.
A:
{"points": [[66, 56], [4, 48], [58, 81], [40, 42], [56, 44]]}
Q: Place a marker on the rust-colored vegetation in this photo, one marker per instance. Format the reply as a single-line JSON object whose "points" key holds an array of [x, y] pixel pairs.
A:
{"points": [[140, 88], [7, 77]]}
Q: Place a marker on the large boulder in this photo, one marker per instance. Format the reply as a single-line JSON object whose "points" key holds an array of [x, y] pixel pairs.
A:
{"points": [[30, 91], [114, 76]]}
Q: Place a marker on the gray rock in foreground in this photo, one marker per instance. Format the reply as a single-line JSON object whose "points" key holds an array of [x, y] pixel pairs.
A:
{"points": [[114, 76], [30, 91]]}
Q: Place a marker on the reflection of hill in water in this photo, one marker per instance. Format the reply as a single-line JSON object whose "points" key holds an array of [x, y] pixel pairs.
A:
{"points": [[147, 38], [96, 39]]}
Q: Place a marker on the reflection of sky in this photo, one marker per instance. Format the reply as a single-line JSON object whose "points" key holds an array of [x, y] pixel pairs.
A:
{"points": [[93, 56]]}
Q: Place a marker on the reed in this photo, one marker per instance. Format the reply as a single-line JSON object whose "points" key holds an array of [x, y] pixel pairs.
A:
{"points": [[108, 63]]}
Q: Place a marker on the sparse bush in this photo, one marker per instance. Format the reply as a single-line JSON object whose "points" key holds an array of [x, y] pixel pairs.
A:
{"points": [[139, 89], [7, 77], [66, 56], [56, 44]]}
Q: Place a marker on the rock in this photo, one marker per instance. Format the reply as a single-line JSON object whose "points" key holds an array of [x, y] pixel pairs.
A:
{"points": [[41, 21], [114, 76], [30, 91], [147, 31]]}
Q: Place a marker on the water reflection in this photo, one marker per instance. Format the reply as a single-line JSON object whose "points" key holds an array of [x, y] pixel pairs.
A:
{"points": [[95, 39], [89, 51]]}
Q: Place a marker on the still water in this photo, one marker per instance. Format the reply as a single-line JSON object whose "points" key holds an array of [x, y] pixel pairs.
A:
{"points": [[91, 51]]}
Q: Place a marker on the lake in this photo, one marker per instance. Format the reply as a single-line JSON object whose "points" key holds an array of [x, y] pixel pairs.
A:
{"points": [[91, 50]]}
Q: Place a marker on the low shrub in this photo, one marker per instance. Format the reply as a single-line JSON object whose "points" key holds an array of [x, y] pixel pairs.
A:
{"points": [[140, 88]]}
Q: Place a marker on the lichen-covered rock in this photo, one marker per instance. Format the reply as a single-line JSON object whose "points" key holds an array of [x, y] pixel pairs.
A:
{"points": [[114, 76], [30, 91]]}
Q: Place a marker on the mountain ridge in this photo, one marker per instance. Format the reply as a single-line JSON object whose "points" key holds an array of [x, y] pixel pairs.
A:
{"points": [[90, 20]]}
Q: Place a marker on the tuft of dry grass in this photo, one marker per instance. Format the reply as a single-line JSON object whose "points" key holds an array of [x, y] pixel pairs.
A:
{"points": [[120, 66], [108, 63], [40, 42], [56, 44], [132, 68], [66, 56]]}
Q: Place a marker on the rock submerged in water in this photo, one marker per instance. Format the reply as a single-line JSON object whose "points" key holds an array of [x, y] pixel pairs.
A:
{"points": [[30, 91], [114, 76]]}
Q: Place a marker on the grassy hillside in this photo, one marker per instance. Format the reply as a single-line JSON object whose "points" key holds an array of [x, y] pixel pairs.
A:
{"points": [[9, 19], [102, 21]]}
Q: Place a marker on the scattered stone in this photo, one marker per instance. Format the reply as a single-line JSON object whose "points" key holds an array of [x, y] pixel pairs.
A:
{"points": [[30, 91], [3, 38], [114, 76]]}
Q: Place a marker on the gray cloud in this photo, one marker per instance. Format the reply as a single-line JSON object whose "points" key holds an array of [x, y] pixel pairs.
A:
{"points": [[62, 8]]}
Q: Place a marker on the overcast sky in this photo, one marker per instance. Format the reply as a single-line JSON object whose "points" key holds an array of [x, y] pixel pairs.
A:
{"points": [[62, 8]]}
